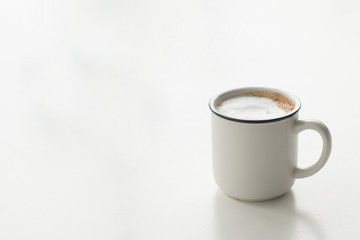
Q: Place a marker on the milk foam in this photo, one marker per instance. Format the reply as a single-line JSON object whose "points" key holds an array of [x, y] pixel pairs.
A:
{"points": [[251, 108]]}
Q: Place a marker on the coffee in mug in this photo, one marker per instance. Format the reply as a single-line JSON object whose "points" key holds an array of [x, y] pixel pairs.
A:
{"points": [[256, 105]]}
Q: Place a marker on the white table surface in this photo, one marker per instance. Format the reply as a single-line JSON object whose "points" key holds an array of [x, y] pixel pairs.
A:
{"points": [[105, 128]]}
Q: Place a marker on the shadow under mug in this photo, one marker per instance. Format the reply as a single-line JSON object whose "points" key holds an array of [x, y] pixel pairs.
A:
{"points": [[256, 160]]}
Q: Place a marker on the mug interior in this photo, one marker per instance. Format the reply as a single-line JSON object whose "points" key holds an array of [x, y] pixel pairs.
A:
{"points": [[293, 101]]}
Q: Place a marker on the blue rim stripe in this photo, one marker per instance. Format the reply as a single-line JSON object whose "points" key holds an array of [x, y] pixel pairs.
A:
{"points": [[255, 121]]}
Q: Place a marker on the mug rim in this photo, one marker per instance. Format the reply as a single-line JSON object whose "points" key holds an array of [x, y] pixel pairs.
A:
{"points": [[213, 101]]}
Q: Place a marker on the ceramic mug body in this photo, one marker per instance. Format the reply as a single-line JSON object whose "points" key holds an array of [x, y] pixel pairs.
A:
{"points": [[257, 160]]}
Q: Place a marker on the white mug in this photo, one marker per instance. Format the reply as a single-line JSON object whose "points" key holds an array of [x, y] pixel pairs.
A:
{"points": [[256, 160]]}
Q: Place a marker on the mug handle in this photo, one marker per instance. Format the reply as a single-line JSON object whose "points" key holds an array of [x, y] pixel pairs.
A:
{"points": [[301, 125]]}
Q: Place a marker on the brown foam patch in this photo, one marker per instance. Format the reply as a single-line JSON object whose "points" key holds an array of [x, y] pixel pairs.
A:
{"points": [[283, 102]]}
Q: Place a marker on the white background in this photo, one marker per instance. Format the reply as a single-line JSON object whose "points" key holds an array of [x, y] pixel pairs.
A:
{"points": [[105, 128]]}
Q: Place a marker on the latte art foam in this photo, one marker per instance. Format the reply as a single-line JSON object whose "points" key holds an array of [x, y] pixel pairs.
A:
{"points": [[259, 105]]}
